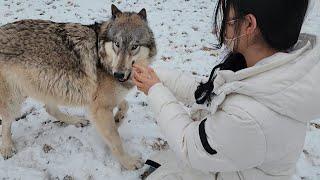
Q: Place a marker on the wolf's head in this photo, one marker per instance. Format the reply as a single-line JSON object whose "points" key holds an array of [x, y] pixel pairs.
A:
{"points": [[124, 40]]}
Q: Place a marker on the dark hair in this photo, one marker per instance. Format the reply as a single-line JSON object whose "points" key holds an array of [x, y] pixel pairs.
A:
{"points": [[279, 21], [233, 62]]}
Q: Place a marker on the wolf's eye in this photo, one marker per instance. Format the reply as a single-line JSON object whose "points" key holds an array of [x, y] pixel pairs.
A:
{"points": [[134, 47]]}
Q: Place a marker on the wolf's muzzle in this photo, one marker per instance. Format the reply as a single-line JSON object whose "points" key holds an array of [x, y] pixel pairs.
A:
{"points": [[118, 75], [121, 76]]}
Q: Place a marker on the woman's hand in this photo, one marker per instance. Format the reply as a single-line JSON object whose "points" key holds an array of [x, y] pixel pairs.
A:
{"points": [[144, 78]]}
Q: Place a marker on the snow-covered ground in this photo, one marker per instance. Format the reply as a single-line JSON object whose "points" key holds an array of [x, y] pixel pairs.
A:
{"points": [[47, 150]]}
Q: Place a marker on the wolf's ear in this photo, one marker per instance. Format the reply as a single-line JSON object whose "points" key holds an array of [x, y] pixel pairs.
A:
{"points": [[143, 14], [115, 11]]}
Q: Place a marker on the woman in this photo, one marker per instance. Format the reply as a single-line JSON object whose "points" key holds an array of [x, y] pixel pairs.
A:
{"points": [[259, 100]]}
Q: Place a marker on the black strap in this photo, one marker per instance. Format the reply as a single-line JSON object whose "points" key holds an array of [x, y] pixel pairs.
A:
{"points": [[204, 140], [152, 164]]}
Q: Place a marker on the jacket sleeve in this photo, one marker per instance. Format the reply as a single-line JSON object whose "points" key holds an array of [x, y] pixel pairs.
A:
{"points": [[181, 84], [228, 140]]}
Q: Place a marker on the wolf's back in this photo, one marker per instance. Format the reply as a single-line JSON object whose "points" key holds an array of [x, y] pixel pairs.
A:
{"points": [[43, 43]]}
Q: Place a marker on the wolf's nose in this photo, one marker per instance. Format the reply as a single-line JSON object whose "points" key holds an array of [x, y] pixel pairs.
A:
{"points": [[118, 75]]}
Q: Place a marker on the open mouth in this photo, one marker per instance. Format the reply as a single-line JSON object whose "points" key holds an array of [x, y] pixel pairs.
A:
{"points": [[124, 80]]}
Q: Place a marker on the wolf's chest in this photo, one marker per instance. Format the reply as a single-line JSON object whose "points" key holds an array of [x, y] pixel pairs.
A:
{"points": [[121, 90]]}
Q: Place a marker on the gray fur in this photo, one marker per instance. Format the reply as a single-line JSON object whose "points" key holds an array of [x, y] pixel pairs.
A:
{"points": [[73, 64]]}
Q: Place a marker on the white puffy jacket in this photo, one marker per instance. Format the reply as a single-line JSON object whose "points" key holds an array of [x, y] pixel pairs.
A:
{"points": [[258, 119]]}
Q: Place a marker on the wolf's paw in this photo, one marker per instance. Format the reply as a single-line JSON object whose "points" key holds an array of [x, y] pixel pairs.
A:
{"points": [[119, 117], [121, 113], [82, 123], [8, 151], [132, 163]]}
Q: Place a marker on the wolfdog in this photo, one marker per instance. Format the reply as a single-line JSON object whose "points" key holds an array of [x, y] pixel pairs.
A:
{"points": [[72, 64]]}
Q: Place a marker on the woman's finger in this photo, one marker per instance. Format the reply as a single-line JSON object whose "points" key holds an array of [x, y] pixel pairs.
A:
{"points": [[137, 83], [136, 70], [153, 74], [141, 77], [140, 68], [141, 73], [140, 86], [135, 79]]}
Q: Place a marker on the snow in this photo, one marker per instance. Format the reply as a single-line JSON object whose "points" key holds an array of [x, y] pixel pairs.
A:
{"points": [[47, 150]]}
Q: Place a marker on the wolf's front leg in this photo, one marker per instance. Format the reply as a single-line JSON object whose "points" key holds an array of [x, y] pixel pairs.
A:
{"points": [[7, 148], [102, 118]]}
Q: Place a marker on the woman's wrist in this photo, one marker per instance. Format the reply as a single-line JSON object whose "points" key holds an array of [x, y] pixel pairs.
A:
{"points": [[154, 87]]}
